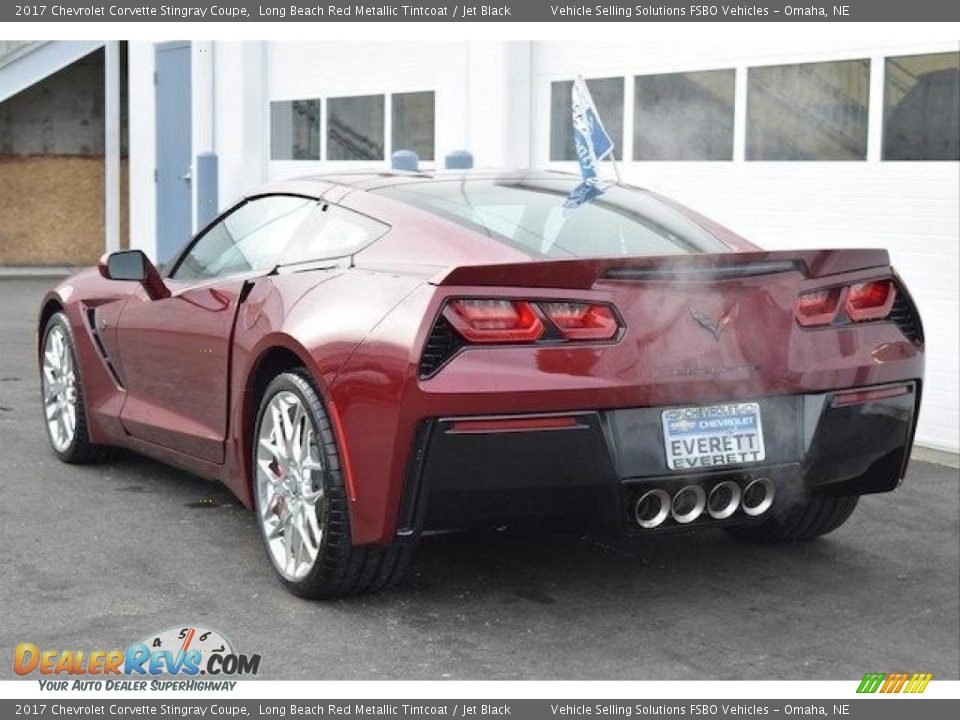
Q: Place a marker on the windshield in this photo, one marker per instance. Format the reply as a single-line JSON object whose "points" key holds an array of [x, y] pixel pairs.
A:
{"points": [[544, 218]]}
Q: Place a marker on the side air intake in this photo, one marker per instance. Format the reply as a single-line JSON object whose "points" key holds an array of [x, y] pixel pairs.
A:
{"points": [[442, 345], [906, 317]]}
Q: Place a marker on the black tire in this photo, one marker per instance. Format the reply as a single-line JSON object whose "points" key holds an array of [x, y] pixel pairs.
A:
{"points": [[80, 451], [818, 515], [340, 568]]}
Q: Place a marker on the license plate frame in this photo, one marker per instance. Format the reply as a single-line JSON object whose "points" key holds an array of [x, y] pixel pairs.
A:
{"points": [[723, 435]]}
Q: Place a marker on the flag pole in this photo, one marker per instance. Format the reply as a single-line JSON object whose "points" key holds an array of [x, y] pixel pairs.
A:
{"points": [[616, 169]]}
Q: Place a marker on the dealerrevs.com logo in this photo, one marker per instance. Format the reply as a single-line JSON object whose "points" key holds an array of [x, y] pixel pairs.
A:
{"points": [[181, 651]]}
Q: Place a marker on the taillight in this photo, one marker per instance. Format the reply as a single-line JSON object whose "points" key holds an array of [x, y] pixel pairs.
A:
{"points": [[582, 321], [819, 307], [500, 321], [494, 321], [860, 302], [870, 300]]}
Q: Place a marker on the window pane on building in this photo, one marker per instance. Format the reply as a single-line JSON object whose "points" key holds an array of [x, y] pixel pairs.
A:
{"points": [[816, 111], [295, 130], [413, 123], [921, 102], [355, 128], [684, 116], [607, 94]]}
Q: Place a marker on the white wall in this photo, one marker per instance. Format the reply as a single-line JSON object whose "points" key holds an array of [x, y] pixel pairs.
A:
{"points": [[141, 144], [910, 208], [241, 117]]}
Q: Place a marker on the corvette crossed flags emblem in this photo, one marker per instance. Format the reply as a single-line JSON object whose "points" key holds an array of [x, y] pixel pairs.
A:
{"points": [[708, 324]]}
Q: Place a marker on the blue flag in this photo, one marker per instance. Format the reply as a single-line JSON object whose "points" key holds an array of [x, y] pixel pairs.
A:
{"points": [[584, 192], [589, 136]]}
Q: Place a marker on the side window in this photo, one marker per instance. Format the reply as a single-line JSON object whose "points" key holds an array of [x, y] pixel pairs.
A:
{"points": [[252, 237], [331, 231]]}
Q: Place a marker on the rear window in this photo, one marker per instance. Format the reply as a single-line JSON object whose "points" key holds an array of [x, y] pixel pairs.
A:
{"points": [[539, 218]]}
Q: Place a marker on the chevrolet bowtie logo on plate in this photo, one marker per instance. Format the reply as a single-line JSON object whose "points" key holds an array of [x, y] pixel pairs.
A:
{"points": [[708, 324]]}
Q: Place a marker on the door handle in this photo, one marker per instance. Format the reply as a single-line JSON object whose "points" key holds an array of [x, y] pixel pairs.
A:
{"points": [[187, 177]]}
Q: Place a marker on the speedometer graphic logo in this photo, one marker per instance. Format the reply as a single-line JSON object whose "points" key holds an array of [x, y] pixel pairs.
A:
{"points": [[200, 641], [191, 650]]}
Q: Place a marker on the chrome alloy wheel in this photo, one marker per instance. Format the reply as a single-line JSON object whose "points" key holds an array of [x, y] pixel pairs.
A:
{"points": [[290, 500], [59, 389]]}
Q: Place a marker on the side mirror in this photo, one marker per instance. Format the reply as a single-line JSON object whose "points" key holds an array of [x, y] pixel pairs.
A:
{"points": [[134, 266], [124, 265]]}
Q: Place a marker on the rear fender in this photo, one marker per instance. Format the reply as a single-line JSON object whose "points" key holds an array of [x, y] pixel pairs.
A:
{"points": [[321, 319]]}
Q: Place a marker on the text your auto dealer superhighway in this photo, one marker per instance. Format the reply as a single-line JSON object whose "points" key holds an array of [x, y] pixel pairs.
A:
{"points": [[144, 11]]}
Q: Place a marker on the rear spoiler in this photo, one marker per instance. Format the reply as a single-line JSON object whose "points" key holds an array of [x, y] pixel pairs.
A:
{"points": [[583, 273]]}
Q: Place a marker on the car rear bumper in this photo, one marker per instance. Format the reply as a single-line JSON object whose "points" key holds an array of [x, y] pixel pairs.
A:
{"points": [[589, 468]]}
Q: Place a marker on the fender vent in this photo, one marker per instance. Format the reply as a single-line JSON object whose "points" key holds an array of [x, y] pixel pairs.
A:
{"points": [[98, 341], [905, 316], [442, 345]]}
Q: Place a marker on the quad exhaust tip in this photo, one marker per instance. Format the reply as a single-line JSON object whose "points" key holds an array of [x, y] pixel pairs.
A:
{"points": [[723, 500], [758, 496], [688, 504], [652, 508]]}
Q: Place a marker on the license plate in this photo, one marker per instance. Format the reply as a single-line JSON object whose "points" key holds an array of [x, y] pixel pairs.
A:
{"points": [[713, 436]]}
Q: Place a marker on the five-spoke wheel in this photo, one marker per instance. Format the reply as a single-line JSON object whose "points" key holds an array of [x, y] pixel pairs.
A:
{"points": [[59, 388], [301, 498], [290, 491], [64, 413]]}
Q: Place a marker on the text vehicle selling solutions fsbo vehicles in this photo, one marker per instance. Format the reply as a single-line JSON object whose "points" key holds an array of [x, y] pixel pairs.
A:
{"points": [[364, 357]]}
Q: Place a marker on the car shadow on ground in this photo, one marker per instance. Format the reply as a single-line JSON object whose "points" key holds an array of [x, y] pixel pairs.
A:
{"points": [[535, 564]]}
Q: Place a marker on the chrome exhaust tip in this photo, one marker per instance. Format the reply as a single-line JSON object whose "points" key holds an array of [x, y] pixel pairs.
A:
{"points": [[688, 504], [651, 508], [758, 496], [723, 500]]}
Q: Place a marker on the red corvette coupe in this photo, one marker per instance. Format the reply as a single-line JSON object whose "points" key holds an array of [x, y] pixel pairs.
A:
{"points": [[362, 358]]}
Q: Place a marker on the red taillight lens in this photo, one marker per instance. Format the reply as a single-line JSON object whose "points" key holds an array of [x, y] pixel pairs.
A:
{"points": [[819, 307], [494, 321], [581, 321], [870, 300]]}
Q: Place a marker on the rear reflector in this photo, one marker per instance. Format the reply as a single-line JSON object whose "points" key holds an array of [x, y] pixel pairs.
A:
{"points": [[581, 321], [494, 321], [550, 422], [859, 397], [819, 307], [870, 300]]}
